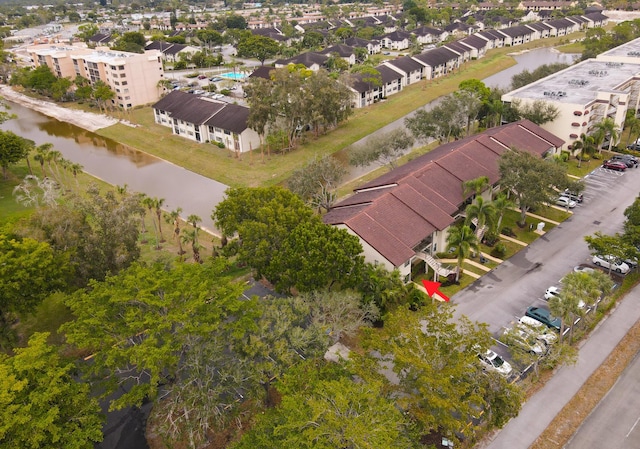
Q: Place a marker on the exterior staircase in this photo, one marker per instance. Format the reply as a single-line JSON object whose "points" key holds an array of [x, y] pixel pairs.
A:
{"points": [[436, 265], [479, 231]]}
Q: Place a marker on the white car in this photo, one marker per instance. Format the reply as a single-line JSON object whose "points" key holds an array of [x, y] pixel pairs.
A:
{"points": [[612, 262], [565, 201], [526, 341], [492, 361], [581, 269], [541, 331], [217, 96], [551, 292]]}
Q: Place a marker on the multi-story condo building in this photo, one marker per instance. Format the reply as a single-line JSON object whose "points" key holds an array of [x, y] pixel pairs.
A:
{"points": [[134, 77]]}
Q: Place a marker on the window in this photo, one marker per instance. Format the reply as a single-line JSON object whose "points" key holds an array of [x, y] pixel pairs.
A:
{"points": [[121, 67], [113, 67], [227, 132], [124, 83], [115, 82], [122, 75]]}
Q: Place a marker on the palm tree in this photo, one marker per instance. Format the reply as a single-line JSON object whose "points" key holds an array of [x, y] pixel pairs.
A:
{"points": [[461, 240], [607, 127], [633, 123], [483, 211], [149, 203], [29, 147], [157, 205], [191, 236], [75, 169], [193, 220], [41, 156], [476, 185], [173, 217], [501, 204], [603, 283], [565, 306], [586, 145]]}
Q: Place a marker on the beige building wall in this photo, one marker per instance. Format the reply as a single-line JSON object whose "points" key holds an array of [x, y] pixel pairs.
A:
{"points": [[133, 77]]}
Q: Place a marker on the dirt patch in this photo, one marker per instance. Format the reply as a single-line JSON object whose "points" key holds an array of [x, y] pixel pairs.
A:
{"points": [[86, 120]]}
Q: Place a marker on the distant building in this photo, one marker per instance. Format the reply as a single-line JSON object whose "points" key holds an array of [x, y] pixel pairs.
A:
{"points": [[203, 119], [133, 77]]}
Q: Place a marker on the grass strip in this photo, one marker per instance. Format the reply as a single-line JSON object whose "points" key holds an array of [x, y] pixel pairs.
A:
{"points": [[569, 419]]}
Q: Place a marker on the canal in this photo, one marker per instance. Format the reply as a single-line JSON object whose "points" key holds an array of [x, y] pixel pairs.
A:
{"points": [[118, 164]]}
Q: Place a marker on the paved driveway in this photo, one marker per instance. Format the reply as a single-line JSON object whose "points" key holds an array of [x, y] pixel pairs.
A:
{"points": [[503, 295]]}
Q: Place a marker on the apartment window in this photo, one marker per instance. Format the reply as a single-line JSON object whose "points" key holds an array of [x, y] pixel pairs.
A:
{"points": [[119, 97], [115, 82], [120, 67], [124, 83], [128, 105], [122, 75], [113, 67], [127, 98], [126, 91], [117, 90], [227, 132]]}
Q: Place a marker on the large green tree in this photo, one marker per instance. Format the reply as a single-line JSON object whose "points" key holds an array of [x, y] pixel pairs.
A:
{"points": [[461, 240], [13, 149], [332, 413], [258, 47], [439, 378], [383, 149], [42, 404], [532, 180], [316, 182], [139, 324]]}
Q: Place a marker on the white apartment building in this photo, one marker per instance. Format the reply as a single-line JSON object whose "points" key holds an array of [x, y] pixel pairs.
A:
{"points": [[134, 77], [588, 92]]}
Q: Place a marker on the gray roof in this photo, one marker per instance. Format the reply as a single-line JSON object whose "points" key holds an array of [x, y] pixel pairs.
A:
{"points": [[474, 42], [357, 42], [406, 64], [436, 56], [517, 31], [232, 117], [388, 74], [187, 107], [307, 59], [344, 51]]}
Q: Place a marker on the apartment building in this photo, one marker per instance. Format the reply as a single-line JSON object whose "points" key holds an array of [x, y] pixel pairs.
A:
{"points": [[588, 92], [134, 77]]}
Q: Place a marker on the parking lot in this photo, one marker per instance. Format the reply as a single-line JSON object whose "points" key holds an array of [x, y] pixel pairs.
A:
{"points": [[502, 296]]}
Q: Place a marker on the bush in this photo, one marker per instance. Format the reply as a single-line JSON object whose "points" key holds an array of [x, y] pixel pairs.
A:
{"points": [[490, 238], [499, 250], [226, 92], [508, 232], [221, 145]]}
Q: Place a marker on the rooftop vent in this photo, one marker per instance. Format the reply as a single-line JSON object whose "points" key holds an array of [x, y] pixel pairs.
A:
{"points": [[577, 82], [598, 73]]}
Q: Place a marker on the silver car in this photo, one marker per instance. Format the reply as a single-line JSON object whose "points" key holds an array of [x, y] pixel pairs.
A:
{"points": [[565, 201]]}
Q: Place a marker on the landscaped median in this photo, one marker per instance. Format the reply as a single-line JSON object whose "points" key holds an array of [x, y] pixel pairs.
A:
{"points": [[518, 238]]}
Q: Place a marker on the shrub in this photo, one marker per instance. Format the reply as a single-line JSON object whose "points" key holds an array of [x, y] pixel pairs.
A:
{"points": [[226, 92], [221, 145], [490, 238], [499, 250], [508, 232]]}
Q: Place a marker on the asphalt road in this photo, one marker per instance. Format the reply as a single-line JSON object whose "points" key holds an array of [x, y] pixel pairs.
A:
{"points": [[615, 422], [502, 296]]}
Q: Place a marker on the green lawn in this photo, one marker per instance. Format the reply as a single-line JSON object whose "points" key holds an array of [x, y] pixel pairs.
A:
{"points": [[256, 169]]}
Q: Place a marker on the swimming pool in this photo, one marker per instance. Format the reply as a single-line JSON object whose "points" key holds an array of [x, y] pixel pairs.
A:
{"points": [[233, 75]]}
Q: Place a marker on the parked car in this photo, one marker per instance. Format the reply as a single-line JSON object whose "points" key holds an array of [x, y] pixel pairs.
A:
{"points": [[551, 292], [492, 361], [577, 197], [634, 146], [544, 316], [201, 77], [217, 96], [541, 332], [614, 165], [565, 201], [626, 159], [525, 340], [215, 79], [583, 269], [612, 262]]}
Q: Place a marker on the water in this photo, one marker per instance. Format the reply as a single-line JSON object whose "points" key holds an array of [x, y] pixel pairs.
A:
{"points": [[529, 60], [233, 75], [119, 165]]}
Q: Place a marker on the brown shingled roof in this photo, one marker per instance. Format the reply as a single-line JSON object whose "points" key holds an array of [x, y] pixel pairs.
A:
{"points": [[396, 211]]}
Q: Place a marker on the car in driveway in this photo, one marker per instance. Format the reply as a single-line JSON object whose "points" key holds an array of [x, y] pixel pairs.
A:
{"points": [[614, 165], [610, 262], [565, 201], [524, 340], [544, 316], [535, 327], [217, 96], [493, 362], [215, 79], [634, 146], [202, 77]]}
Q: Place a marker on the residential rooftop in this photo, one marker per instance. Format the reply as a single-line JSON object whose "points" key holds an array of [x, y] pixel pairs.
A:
{"points": [[580, 83]]}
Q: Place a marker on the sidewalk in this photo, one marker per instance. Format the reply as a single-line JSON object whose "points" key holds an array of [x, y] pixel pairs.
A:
{"points": [[542, 407]]}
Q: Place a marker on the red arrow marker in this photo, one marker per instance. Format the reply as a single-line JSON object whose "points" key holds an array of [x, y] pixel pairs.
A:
{"points": [[432, 288]]}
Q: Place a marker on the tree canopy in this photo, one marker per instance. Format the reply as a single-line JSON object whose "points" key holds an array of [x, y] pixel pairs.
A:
{"points": [[41, 403], [531, 179]]}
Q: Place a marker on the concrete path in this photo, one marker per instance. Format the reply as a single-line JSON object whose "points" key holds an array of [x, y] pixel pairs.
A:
{"points": [[541, 408]]}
